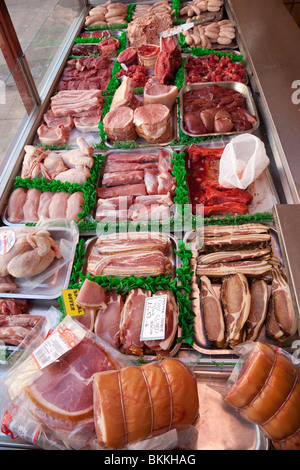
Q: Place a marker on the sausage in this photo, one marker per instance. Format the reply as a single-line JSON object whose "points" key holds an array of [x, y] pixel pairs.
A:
{"points": [[90, 20], [114, 13], [274, 392], [224, 41], [253, 377]]}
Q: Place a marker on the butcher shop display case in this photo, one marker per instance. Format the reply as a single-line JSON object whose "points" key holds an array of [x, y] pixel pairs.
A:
{"points": [[149, 207]]}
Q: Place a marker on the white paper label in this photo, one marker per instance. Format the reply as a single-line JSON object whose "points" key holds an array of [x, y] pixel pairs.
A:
{"points": [[56, 345], [7, 241], [154, 318]]}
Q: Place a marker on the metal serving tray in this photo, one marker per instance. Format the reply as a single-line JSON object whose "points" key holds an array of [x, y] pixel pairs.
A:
{"points": [[262, 189], [201, 344], [237, 86], [219, 426], [141, 142], [171, 254], [143, 150], [49, 288]]}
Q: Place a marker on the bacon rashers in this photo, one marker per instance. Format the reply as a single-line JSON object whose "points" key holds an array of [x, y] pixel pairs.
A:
{"points": [[254, 293]]}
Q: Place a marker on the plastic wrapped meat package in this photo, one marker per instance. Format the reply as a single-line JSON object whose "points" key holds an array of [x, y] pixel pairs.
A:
{"points": [[58, 395], [264, 388]]}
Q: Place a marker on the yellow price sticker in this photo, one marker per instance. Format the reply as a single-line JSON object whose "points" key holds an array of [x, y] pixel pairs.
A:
{"points": [[70, 305]]}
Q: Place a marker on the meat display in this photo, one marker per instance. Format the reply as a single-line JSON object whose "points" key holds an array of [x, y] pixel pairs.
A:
{"points": [[254, 298], [28, 252], [68, 166], [138, 186], [215, 109], [266, 391], [119, 318], [202, 167], [147, 400], [86, 73], [212, 68]]}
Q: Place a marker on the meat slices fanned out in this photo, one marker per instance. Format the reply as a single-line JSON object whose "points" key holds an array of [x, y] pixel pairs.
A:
{"points": [[171, 325], [138, 263], [108, 321], [88, 123], [91, 296], [131, 321], [155, 93]]}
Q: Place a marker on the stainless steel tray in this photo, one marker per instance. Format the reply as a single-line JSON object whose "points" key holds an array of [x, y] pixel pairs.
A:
{"points": [[141, 142], [201, 344], [171, 254], [219, 426], [51, 287], [143, 150], [237, 86], [262, 189]]}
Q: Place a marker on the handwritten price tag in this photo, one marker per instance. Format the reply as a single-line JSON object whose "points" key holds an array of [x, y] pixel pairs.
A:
{"points": [[154, 318]]}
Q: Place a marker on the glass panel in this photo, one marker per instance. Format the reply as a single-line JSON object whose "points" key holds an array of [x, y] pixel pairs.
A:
{"points": [[16, 103], [55, 24]]}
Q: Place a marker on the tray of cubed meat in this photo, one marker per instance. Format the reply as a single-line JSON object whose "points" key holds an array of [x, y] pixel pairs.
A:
{"points": [[207, 109], [213, 68], [136, 185], [208, 198], [239, 287]]}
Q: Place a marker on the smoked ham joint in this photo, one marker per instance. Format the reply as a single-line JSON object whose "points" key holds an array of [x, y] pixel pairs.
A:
{"points": [[149, 238]]}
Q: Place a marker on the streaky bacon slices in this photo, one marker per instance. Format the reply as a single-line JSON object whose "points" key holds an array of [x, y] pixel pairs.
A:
{"points": [[132, 241]]}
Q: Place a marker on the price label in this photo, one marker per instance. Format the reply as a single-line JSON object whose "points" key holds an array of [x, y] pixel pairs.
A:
{"points": [[69, 300], [154, 318]]}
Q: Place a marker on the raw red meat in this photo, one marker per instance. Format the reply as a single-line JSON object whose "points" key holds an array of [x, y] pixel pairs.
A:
{"points": [[128, 56], [168, 62], [138, 73], [211, 68]]}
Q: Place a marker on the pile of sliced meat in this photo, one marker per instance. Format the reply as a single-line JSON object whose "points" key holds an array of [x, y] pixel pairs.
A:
{"points": [[136, 186], [29, 205], [253, 286], [130, 254], [202, 167], [118, 318], [72, 166], [212, 68], [15, 321], [81, 109], [86, 73], [215, 109]]}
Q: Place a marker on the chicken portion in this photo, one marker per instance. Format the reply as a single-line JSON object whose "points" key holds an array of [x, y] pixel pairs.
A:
{"points": [[70, 166], [29, 252]]}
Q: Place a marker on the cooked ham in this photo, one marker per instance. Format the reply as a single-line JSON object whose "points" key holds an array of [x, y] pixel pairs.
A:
{"points": [[118, 124], [155, 93], [57, 135], [52, 121], [152, 122]]}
